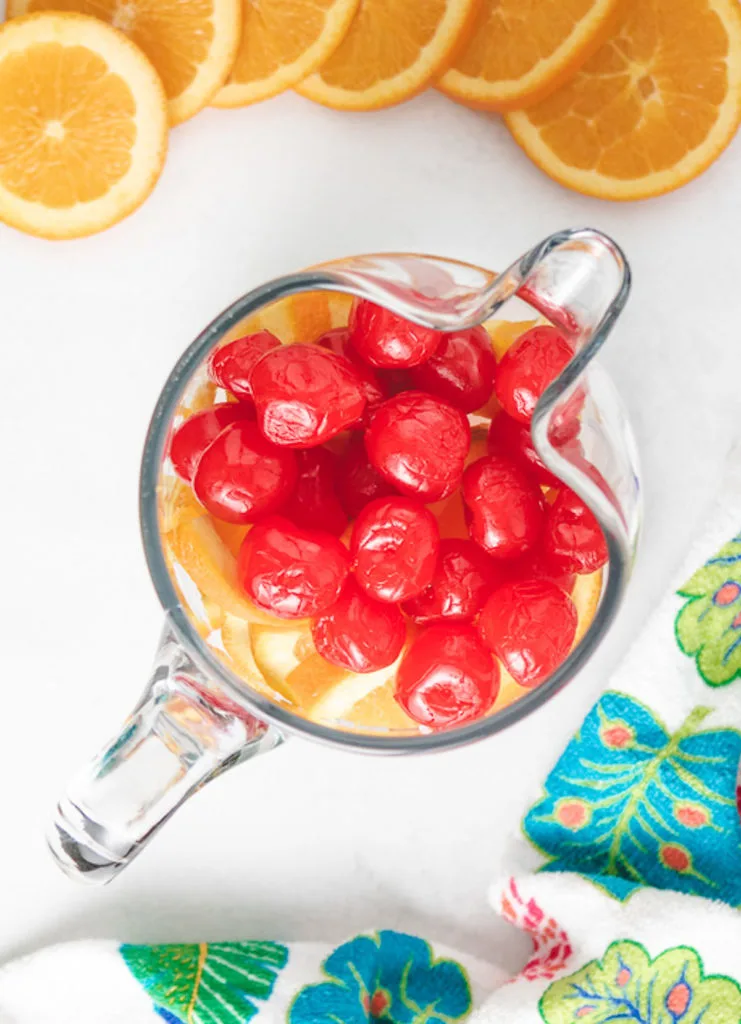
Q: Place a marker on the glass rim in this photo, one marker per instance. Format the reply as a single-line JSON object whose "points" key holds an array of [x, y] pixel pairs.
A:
{"points": [[283, 719]]}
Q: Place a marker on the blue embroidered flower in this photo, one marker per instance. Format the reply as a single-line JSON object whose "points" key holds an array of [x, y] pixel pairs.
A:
{"points": [[387, 977]]}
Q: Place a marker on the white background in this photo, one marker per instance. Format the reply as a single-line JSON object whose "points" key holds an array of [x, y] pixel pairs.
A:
{"points": [[305, 842]]}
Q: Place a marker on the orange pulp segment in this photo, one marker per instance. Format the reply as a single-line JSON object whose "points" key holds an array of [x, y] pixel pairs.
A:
{"points": [[524, 49], [282, 43], [83, 125], [652, 109], [392, 51]]}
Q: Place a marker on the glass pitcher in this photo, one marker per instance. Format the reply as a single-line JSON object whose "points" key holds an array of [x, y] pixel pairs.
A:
{"points": [[200, 714]]}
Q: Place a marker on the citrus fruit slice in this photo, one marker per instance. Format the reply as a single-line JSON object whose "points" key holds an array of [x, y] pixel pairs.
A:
{"points": [[504, 333], [235, 638], [522, 50], [392, 51], [652, 109], [282, 43], [83, 125], [303, 317], [191, 43], [194, 545], [288, 662]]}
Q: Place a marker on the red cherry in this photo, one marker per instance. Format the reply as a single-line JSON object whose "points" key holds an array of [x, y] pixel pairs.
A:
{"points": [[193, 437], [394, 548], [419, 444], [314, 503], [291, 572], [504, 507], [384, 339], [358, 633], [358, 481], [461, 370], [573, 539], [464, 577], [537, 565], [508, 437], [304, 395], [528, 367], [447, 677], [231, 365], [530, 626], [241, 476], [337, 341]]}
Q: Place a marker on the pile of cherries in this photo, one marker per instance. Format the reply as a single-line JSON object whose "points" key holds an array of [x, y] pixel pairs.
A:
{"points": [[397, 396]]}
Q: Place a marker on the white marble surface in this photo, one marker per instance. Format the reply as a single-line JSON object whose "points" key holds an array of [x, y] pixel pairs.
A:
{"points": [[305, 842]]}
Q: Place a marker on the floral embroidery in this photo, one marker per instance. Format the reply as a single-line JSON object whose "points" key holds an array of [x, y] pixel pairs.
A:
{"points": [[387, 977], [207, 983], [629, 804], [627, 985], [551, 945], [708, 627]]}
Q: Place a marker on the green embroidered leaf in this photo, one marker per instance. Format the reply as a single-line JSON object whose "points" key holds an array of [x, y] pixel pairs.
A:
{"points": [[626, 984], [208, 983], [708, 627]]}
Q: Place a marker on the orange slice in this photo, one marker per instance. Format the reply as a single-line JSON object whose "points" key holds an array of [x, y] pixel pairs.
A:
{"points": [[83, 125], [235, 637], [195, 546], [523, 49], [289, 663], [303, 317], [652, 109], [191, 43], [281, 44], [393, 50]]}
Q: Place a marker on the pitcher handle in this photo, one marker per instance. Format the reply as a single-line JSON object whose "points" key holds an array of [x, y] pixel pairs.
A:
{"points": [[176, 740]]}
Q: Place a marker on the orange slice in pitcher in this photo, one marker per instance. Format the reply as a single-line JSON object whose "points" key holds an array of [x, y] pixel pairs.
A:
{"points": [[281, 44], [651, 110], [290, 665], [392, 51], [195, 545], [524, 49], [303, 317], [83, 125]]}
